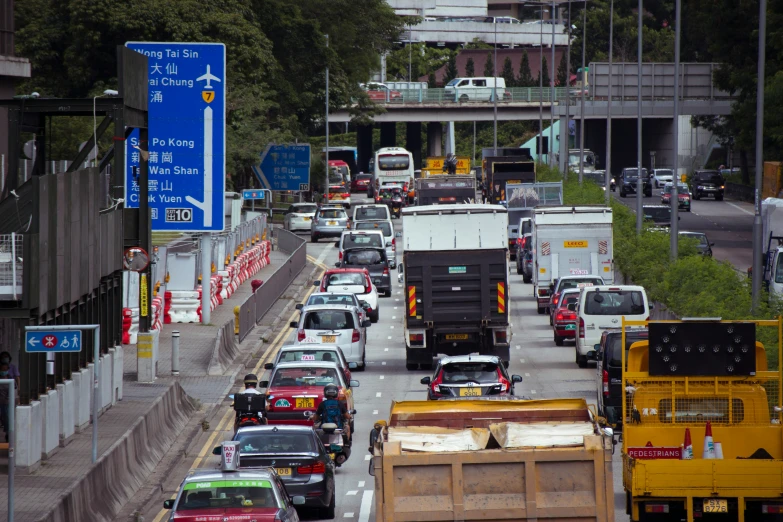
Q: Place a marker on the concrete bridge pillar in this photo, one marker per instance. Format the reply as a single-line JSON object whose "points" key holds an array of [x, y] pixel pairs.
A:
{"points": [[563, 163], [434, 139], [364, 147], [388, 134], [450, 146], [413, 142]]}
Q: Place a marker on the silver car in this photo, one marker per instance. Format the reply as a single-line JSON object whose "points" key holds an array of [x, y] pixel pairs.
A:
{"points": [[334, 324], [328, 222]]}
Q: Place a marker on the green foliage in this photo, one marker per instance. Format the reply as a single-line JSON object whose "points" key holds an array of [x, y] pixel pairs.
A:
{"points": [[489, 66], [423, 60], [525, 78], [561, 79], [451, 69], [432, 81], [477, 43], [470, 68], [508, 73], [545, 71]]}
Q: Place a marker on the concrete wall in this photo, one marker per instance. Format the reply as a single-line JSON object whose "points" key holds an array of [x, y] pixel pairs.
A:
{"points": [[122, 470], [50, 404], [66, 393], [29, 435], [117, 372], [81, 398]]}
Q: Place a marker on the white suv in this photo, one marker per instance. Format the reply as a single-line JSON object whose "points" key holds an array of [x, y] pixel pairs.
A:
{"points": [[357, 282], [603, 307], [334, 325]]}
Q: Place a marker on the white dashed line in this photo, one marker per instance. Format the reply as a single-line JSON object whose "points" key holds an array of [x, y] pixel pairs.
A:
{"points": [[533, 392], [396, 298], [366, 506], [383, 363], [394, 317], [386, 349], [381, 377], [361, 483], [740, 208], [392, 327], [367, 457], [389, 337], [527, 375], [352, 492], [378, 394], [522, 361], [374, 412], [518, 347], [395, 307], [349, 514]]}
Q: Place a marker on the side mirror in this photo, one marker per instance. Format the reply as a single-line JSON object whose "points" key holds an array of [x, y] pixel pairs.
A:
{"points": [[316, 283], [352, 412], [399, 278], [516, 378], [231, 396], [263, 384], [217, 450], [168, 504], [298, 500], [268, 366], [571, 307], [366, 323], [352, 365], [597, 348], [398, 234], [426, 380], [651, 307], [366, 305], [299, 306], [337, 264], [293, 324], [354, 383]]}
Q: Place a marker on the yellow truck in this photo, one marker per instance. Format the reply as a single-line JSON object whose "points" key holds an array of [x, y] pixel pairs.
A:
{"points": [[492, 460], [704, 384], [433, 166]]}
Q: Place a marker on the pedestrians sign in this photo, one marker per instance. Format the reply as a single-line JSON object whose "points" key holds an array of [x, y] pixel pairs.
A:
{"points": [[285, 167], [187, 138], [53, 341], [253, 194]]}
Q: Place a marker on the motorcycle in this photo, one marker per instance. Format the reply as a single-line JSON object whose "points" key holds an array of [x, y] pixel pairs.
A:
{"points": [[333, 439], [396, 205], [249, 410]]}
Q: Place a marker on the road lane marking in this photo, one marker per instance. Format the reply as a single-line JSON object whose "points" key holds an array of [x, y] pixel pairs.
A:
{"points": [[378, 394], [349, 514], [392, 327], [386, 349], [740, 208], [367, 457], [361, 483], [374, 412], [389, 337], [518, 347], [383, 363], [394, 317], [364, 511], [381, 377], [522, 361], [527, 375], [533, 392], [352, 492], [395, 307]]}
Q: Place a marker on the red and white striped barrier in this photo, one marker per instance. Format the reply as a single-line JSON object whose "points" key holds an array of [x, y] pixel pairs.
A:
{"points": [[127, 321], [185, 306], [157, 313], [167, 308]]}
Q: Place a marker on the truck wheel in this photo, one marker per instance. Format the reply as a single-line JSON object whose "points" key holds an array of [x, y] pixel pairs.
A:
{"points": [[527, 280], [540, 310], [519, 272], [558, 340], [411, 367]]}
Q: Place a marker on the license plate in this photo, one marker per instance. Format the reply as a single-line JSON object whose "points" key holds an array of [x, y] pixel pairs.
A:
{"points": [[305, 402], [328, 339], [456, 337], [283, 472], [331, 223], [470, 392], [307, 219], [716, 505], [570, 327]]}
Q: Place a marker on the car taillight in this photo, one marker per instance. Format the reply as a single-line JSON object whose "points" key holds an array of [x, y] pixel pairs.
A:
{"points": [[519, 242], [648, 318], [656, 508], [356, 337], [581, 328], [436, 384], [394, 244], [505, 385], [605, 379], [386, 270], [542, 292], [316, 467], [559, 316], [556, 298], [367, 285], [339, 256], [300, 335], [416, 339], [771, 508]]}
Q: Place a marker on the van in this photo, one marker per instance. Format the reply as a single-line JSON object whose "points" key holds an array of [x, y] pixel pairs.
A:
{"points": [[387, 228], [476, 89], [603, 307], [370, 213], [358, 239]]}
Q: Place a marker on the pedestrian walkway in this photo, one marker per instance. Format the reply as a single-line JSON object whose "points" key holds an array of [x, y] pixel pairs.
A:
{"points": [[38, 493]]}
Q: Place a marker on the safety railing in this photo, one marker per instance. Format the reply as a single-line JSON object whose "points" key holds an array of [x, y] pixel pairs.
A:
{"points": [[11, 272], [470, 96]]}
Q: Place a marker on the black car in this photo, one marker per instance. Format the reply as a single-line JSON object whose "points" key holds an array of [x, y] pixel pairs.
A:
{"points": [[707, 183], [298, 455], [470, 376], [630, 178], [610, 371], [703, 245], [661, 215], [374, 260], [524, 257]]}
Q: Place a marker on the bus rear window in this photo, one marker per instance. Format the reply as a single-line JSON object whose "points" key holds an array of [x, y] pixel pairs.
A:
{"points": [[394, 162]]}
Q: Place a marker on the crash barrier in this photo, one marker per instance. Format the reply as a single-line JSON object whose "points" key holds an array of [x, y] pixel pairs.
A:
{"points": [[740, 192], [118, 474], [258, 304], [131, 316], [225, 349]]}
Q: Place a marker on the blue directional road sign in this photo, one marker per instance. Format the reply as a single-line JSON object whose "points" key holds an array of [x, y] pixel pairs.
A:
{"points": [[285, 167], [53, 341], [187, 137], [252, 194]]}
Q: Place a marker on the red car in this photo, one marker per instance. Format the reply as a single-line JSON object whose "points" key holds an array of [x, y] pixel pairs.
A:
{"points": [[683, 196], [360, 182], [381, 92], [563, 319], [295, 390]]}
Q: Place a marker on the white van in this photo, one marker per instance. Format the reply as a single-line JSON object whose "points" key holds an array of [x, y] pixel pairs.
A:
{"points": [[603, 307], [370, 213], [476, 89]]}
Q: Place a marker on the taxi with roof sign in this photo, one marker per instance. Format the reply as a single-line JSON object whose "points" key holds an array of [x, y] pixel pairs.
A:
{"points": [[313, 353]]}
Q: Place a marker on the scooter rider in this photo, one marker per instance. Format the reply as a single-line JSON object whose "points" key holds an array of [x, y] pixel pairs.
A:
{"points": [[251, 385], [333, 411]]}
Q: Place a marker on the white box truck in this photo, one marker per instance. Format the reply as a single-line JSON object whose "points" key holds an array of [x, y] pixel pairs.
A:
{"points": [[570, 241], [772, 244]]}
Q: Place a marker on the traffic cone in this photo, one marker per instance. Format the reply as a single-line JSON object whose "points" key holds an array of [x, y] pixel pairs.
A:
{"points": [[709, 445], [687, 447]]}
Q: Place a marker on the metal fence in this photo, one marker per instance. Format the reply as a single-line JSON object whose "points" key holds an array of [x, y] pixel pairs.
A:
{"points": [[11, 272], [472, 96], [259, 303], [696, 81]]}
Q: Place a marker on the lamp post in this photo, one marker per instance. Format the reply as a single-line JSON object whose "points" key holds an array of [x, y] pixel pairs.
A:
{"points": [[540, 146], [582, 109], [495, 90], [608, 176], [675, 202], [757, 231], [327, 121], [568, 96], [554, 92], [639, 180]]}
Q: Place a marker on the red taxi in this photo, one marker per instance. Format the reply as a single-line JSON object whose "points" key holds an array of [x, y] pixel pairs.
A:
{"points": [[683, 196], [295, 390], [339, 195], [563, 318]]}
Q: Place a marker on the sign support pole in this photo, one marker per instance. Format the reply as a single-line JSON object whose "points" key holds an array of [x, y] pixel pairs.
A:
{"points": [[206, 274], [144, 228], [11, 443]]}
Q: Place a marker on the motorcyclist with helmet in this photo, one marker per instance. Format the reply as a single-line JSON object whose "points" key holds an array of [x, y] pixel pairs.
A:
{"points": [[450, 164], [331, 410], [251, 385]]}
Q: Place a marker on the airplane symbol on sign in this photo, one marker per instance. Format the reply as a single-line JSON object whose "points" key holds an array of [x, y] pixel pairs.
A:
{"points": [[50, 341]]}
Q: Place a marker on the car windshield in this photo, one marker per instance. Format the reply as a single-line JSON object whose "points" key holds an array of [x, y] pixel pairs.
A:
{"points": [[453, 82], [682, 188], [779, 270], [664, 172], [384, 227], [569, 298], [589, 159], [305, 209], [700, 238], [614, 302], [332, 214], [614, 349], [336, 299], [335, 189], [329, 320], [305, 377], [583, 281], [309, 355], [464, 372], [362, 240], [710, 177], [633, 174], [658, 213], [275, 442], [363, 257], [222, 494], [346, 278], [371, 213], [335, 177]]}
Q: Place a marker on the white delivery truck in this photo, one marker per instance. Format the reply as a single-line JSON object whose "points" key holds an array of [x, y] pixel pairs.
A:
{"points": [[570, 241], [772, 230]]}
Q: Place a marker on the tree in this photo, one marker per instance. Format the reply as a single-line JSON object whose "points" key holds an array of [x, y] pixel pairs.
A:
{"points": [[470, 68], [562, 74], [423, 60], [508, 73], [451, 69], [525, 78], [432, 82], [545, 71], [489, 66]]}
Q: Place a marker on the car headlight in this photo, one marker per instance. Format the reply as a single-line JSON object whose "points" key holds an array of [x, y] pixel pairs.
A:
{"points": [[612, 180], [700, 187]]}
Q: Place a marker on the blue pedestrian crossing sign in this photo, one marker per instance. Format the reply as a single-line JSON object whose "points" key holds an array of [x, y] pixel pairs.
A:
{"points": [[187, 137], [52, 341], [252, 194]]}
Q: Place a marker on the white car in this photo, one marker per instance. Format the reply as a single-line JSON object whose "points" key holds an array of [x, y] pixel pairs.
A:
{"points": [[387, 228], [299, 216], [662, 176], [603, 307], [336, 325], [358, 239], [354, 280], [344, 298], [370, 213]]}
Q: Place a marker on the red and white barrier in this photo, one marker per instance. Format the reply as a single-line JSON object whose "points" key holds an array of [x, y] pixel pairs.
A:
{"points": [[167, 308], [185, 306], [157, 313], [127, 321]]}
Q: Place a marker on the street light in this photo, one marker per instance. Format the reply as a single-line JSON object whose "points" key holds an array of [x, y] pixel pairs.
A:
{"points": [[639, 181], [554, 92], [327, 121], [757, 232], [582, 109], [608, 173], [675, 202], [495, 90], [568, 97]]}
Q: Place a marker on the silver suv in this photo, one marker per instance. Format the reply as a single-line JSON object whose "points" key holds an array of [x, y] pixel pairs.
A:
{"points": [[328, 222]]}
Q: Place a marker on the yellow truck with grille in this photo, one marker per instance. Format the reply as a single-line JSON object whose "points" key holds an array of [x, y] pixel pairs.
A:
{"points": [[433, 166], [492, 460], [702, 432]]}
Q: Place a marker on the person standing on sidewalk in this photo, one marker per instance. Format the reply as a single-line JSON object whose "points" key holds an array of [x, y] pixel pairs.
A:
{"points": [[13, 371], [4, 374]]}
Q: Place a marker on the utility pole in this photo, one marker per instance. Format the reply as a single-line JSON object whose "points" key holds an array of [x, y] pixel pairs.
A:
{"points": [[582, 109], [639, 180], [608, 177], [540, 148], [675, 202], [758, 268], [327, 122], [568, 96], [554, 92], [495, 90]]}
